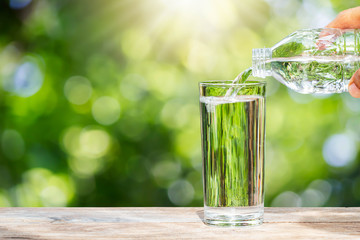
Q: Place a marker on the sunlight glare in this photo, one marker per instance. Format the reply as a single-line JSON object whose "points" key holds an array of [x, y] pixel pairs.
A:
{"points": [[206, 16], [186, 5]]}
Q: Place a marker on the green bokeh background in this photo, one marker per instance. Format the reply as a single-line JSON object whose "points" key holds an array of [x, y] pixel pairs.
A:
{"points": [[99, 102]]}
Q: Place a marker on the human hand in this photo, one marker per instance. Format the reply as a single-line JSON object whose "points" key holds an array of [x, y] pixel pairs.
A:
{"points": [[349, 19]]}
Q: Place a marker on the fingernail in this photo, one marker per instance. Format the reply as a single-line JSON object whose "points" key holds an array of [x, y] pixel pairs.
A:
{"points": [[354, 90]]}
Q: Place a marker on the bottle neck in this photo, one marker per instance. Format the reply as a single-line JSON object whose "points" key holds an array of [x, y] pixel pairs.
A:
{"points": [[260, 62]]}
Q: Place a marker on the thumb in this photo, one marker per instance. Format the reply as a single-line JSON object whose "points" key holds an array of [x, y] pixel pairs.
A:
{"points": [[347, 19], [354, 85]]}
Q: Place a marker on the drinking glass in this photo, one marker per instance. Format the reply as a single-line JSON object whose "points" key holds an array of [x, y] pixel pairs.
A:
{"points": [[233, 142]]}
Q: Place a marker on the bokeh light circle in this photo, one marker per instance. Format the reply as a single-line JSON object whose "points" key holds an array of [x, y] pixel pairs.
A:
{"points": [[47, 197], [287, 199], [41, 187], [88, 142], [339, 150], [78, 90], [18, 4], [94, 143], [312, 198], [106, 110], [26, 80], [86, 167], [165, 171], [181, 192]]}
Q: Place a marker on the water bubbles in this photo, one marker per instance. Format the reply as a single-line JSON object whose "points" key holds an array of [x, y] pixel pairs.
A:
{"points": [[26, 80], [339, 150], [78, 90], [12, 144], [181, 192], [106, 110], [287, 199]]}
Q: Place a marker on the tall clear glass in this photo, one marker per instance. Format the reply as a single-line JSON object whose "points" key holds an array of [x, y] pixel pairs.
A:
{"points": [[233, 142]]}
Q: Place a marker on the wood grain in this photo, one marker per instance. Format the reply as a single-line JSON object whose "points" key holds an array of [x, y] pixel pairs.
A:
{"points": [[173, 223]]}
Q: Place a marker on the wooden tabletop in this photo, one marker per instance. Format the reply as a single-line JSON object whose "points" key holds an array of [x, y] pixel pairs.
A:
{"points": [[173, 223]]}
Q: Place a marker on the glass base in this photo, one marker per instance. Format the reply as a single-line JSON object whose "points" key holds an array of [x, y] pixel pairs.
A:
{"points": [[234, 216]]}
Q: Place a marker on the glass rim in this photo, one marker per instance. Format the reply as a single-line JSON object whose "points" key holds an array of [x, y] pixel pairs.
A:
{"points": [[229, 83]]}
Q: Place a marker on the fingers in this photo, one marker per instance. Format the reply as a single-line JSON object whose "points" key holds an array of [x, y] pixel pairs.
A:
{"points": [[327, 37], [354, 85], [347, 19]]}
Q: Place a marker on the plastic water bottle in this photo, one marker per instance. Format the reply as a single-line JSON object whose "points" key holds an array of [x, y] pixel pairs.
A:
{"points": [[311, 60]]}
